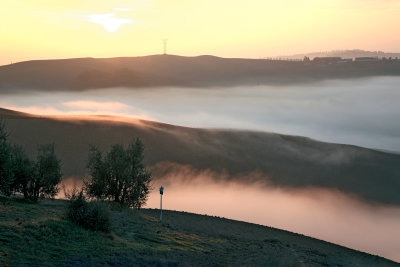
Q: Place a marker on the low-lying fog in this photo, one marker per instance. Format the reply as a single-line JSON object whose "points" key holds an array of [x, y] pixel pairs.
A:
{"points": [[320, 213], [363, 112], [323, 214]]}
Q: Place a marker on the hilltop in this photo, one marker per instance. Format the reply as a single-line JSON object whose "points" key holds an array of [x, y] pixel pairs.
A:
{"points": [[38, 235], [353, 53], [170, 70], [242, 156]]}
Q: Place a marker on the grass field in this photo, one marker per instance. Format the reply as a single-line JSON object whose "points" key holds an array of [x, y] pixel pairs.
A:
{"points": [[39, 235]]}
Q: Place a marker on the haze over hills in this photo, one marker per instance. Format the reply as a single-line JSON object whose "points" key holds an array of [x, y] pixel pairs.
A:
{"points": [[242, 156], [168, 70], [353, 53]]}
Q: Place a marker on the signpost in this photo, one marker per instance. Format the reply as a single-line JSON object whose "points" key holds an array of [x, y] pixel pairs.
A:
{"points": [[161, 194]]}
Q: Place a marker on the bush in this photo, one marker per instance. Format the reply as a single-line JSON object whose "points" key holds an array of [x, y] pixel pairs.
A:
{"points": [[98, 217], [94, 216], [77, 209]]}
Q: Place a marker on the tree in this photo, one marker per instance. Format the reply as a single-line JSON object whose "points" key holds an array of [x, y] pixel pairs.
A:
{"points": [[20, 174], [120, 175], [47, 174], [6, 177], [23, 170]]}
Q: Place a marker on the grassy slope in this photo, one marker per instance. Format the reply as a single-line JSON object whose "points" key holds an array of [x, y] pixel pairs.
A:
{"points": [[37, 234], [168, 70], [284, 160]]}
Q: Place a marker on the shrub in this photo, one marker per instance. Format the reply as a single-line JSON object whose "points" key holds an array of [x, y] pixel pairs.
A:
{"points": [[77, 209], [98, 217], [94, 216]]}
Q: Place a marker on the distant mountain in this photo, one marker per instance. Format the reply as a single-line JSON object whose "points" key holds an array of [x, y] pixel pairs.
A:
{"points": [[344, 54], [169, 70], [245, 156]]}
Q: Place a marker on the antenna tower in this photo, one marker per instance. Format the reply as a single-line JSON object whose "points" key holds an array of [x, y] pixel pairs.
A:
{"points": [[165, 46]]}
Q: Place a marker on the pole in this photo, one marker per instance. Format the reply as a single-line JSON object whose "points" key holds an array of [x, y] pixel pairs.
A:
{"points": [[161, 193], [161, 208], [165, 46]]}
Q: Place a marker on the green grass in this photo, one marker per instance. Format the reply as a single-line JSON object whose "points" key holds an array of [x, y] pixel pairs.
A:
{"points": [[37, 234]]}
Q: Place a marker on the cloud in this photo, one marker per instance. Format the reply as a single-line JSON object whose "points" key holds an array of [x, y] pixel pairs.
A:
{"points": [[109, 21]]}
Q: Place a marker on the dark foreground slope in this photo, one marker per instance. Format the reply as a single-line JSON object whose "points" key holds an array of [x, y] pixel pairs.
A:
{"points": [[168, 70], [38, 235], [244, 156]]}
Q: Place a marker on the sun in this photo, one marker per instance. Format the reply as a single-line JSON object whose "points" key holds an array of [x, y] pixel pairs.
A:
{"points": [[109, 22]]}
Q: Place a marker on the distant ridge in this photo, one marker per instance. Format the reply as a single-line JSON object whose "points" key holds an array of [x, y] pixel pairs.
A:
{"points": [[353, 53], [170, 70]]}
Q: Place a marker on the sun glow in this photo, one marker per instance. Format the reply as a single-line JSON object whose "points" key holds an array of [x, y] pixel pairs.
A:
{"points": [[109, 21]]}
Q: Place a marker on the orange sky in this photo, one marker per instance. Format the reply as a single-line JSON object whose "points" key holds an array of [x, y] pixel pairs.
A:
{"points": [[254, 28]]}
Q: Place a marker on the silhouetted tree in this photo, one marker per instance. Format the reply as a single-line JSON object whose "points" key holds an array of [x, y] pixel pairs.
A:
{"points": [[6, 177], [20, 174], [100, 181], [120, 175], [23, 170], [47, 174]]}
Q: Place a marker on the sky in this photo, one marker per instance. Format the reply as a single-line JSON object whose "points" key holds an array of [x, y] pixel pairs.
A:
{"points": [[44, 29]]}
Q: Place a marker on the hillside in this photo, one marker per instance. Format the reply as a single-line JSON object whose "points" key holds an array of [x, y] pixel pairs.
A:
{"points": [[37, 234], [169, 70], [353, 53], [242, 156]]}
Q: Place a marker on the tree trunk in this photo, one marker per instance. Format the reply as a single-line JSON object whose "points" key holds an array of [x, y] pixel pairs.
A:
{"points": [[25, 191]]}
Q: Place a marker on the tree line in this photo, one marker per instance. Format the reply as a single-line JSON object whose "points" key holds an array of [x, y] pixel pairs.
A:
{"points": [[118, 175]]}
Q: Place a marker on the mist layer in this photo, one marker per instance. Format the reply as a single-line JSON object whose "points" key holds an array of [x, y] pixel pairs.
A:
{"points": [[362, 112], [324, 214]]}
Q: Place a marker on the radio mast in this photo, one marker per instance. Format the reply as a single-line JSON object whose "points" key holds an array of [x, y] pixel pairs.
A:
{"points": [[165, 46]]}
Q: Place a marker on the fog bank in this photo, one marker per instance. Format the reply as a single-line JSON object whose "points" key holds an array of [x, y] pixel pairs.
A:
{"points": [[320, 213], [362, 112], [328, 215]]}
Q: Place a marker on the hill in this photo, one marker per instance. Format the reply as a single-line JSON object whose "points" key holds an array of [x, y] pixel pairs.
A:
{"points": [[169, 70], [242, 156], [38, 235], [353, 53]]}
